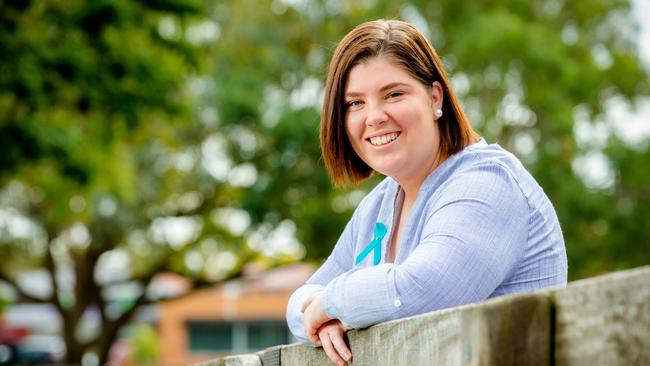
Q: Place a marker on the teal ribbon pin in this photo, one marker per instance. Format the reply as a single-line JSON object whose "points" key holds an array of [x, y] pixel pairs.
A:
{"points": [[375, 244]]}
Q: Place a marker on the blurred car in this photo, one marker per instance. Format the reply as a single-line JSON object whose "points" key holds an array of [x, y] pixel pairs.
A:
{"points": [[10, 339], [18, 347]]}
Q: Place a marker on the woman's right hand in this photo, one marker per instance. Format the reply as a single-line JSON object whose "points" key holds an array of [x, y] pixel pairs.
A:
{"points": [[332, 337], [309, 300]]}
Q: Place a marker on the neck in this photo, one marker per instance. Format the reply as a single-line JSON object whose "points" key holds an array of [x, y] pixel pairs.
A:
{"points": [[410, 192], [411, 185]]}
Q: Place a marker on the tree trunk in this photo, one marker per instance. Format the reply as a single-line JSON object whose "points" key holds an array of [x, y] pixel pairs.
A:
{"points": [[74, 351]]}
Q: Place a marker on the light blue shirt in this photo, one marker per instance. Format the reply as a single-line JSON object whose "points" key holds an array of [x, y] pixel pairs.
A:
{"points": [[480, 227]]}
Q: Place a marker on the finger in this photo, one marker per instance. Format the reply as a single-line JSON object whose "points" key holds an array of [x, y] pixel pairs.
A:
{"points": [[312, 334], [329, 349], [313, 337], [310, 331], [312, 328], [338, 341], [307, 325]]}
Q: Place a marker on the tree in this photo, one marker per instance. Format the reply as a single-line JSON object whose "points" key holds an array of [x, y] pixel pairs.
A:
{"points": [[100, 154]]}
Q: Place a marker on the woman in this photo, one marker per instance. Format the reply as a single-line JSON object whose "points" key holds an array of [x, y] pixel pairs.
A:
{"points": [[455, 221]]}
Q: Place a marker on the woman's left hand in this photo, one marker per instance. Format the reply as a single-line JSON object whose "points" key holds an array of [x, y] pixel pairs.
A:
{"points": [[313, 317], [332, 337]]}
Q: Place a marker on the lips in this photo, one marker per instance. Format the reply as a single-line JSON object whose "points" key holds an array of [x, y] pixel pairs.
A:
{"points": [[383, 139]]}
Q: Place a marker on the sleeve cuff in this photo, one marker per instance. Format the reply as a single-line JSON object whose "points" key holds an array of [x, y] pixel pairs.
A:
{"points": [[327, 305]]}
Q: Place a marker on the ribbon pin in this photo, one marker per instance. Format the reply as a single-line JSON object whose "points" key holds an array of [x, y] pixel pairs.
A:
{"points": [[375, 244]]}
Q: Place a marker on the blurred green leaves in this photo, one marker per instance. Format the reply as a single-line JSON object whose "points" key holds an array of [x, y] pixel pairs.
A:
{"points": [[144, 345], [95, 106]]}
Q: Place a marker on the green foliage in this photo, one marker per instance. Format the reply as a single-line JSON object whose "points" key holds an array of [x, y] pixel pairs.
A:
{"points": [[95, 109], [144, 345], [525, 71], [543, 59], [4, 302]]}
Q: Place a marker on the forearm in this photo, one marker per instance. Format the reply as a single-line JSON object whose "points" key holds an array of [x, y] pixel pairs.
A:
{"points": [[436, 276], [361, 298]]}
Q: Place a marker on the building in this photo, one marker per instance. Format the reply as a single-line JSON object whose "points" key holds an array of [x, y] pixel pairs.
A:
{"points": [[238, 316]]}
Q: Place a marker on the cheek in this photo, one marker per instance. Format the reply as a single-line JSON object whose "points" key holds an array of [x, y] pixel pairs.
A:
{"points": [[411, 114], [353, 128], [418, 120], [354, 132]]}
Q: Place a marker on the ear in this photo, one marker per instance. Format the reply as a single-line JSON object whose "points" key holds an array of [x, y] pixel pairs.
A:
{"points": [[436, 95]]}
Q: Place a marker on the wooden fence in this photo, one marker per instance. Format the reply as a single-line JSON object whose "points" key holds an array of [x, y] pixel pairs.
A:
{"points": [[603, 320]]}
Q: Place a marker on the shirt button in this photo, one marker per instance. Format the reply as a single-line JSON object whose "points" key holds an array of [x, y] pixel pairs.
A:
{"points": [[397, 303]]}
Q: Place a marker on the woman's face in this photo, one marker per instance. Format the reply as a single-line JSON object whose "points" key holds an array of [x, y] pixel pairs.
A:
{"points": [[390, 120]]}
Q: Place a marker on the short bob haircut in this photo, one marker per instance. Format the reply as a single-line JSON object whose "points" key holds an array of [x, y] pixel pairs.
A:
{"points": [[404, 45]]}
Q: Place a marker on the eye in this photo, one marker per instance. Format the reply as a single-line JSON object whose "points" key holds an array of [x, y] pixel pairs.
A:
{"points": [[354, 104], [394, 94]]}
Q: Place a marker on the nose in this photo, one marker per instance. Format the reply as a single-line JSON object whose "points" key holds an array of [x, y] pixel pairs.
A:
{"points": [[376, 115]]}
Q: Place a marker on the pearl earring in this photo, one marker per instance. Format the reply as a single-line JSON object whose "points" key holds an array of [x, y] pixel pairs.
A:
{"points": [[438, 113]]}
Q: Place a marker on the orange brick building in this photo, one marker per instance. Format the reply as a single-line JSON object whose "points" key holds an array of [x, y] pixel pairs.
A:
{"points": [[239, 316]]}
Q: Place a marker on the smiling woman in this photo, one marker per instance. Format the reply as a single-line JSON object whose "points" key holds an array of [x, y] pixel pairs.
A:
{"points": [[389, 121], [456, 220]]}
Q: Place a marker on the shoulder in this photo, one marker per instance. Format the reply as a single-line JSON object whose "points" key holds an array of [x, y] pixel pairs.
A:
{"points": [[488, 162], [482, 171], [489, 157], [492, 163]]}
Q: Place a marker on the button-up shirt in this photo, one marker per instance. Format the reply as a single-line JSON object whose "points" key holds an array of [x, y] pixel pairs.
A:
{"points": [[480, 227]]}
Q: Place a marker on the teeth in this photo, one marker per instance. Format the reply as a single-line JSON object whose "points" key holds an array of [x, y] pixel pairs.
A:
{"points": [[384, 139]]}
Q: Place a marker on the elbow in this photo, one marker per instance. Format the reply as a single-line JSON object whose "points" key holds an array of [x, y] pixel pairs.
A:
{"points": [[294, 315], [294, 322]]}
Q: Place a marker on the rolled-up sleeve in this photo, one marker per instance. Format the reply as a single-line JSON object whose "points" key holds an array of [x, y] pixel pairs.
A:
{"points": [[474, 236], [336, 264]]}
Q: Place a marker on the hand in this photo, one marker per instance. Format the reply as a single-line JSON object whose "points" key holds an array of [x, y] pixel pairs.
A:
{"points": [[308, 301], [331, 336], [313, 317], [304, 307]]}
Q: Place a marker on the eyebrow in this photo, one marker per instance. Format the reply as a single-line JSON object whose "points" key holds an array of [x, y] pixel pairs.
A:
{"points": [[382, 89]]}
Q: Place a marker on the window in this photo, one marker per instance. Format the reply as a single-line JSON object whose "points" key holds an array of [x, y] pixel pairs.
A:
{"points": [[249, 336], [210, 336], [262, 335]]}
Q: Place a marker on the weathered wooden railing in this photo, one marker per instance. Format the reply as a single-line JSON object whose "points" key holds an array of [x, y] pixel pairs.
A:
{"points": [[603, 320]]}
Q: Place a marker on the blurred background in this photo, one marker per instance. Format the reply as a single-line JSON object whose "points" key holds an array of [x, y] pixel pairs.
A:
{"points": [[161, 185]]}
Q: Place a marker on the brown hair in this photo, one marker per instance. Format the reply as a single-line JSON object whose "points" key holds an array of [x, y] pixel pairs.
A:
{"points": [[408, 48]]}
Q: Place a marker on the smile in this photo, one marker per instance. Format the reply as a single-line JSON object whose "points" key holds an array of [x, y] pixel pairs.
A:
{"points": [[383, 139]]}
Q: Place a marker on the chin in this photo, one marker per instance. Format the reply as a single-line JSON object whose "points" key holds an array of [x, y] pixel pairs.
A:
{"points": [[389, 167], [387, 171]]}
